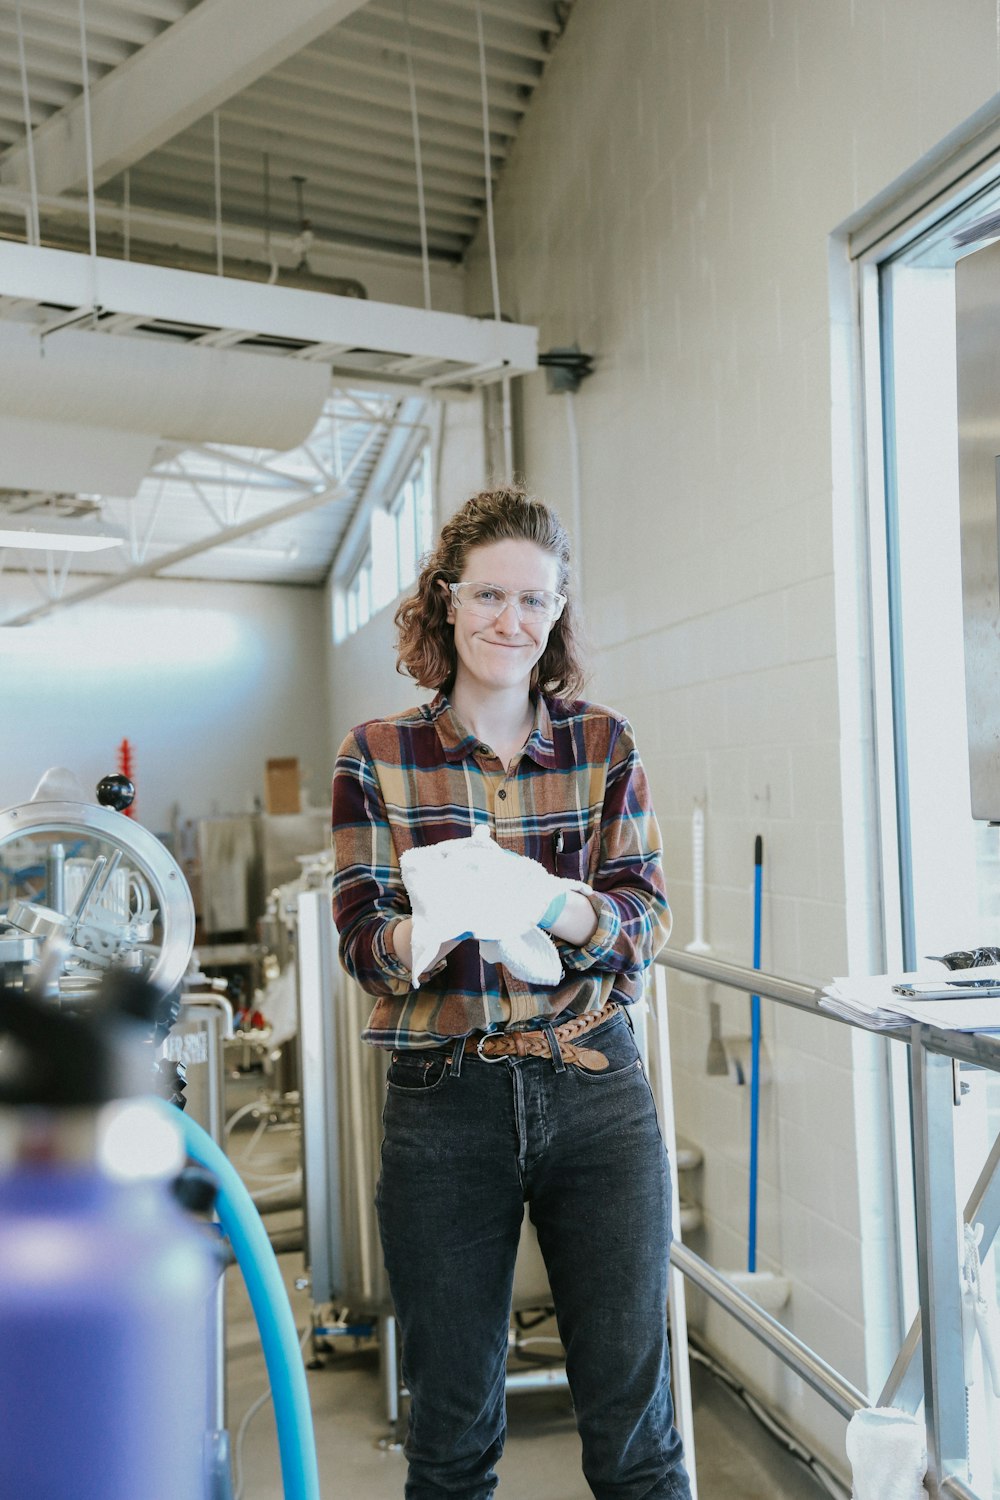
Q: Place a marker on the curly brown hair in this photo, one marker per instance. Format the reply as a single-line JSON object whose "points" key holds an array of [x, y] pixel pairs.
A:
{"points": [[426, 642]]}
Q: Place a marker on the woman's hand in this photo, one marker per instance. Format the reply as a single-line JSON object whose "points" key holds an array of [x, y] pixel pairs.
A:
{"points": [[576, 923], [400, 940]]}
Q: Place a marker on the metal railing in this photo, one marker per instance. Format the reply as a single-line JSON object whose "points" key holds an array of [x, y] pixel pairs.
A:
{"points": [[931, 1368]]}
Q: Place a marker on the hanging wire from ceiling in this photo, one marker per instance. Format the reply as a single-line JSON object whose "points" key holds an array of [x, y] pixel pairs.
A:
{"points": [[88, 139], [217, 165], [424, 254], [126, 213], [490, 233], [36, 233], [269, 255]]}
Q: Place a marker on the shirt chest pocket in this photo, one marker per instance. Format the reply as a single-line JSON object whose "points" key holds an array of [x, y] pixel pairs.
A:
{"points": [[576, 854]]}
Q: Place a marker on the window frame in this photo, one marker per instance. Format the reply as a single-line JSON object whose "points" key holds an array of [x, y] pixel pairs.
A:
{"points": [[949, 182], [357, 600]]}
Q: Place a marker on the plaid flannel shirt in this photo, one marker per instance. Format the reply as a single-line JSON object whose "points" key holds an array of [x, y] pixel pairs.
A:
{"points": [[576, 799]]}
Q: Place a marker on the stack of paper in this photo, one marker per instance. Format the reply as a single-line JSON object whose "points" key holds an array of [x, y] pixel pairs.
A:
{"points": [[951, 999]]}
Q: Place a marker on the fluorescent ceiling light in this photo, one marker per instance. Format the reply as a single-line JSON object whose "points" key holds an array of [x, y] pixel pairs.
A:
{"points": [[57, 541], [288, 552]]}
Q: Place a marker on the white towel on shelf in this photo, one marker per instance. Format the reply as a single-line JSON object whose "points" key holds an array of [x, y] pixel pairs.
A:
{"points": [[473, 887], [888, 1454]]}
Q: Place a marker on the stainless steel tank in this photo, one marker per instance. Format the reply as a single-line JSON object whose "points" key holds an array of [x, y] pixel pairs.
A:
{"points": [[343, 1093]]}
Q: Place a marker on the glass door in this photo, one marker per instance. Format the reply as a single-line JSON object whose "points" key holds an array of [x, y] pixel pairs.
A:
{"points": [[948, 891]]}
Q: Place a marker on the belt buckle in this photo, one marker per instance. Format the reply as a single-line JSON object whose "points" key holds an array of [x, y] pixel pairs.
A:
{"points": [[482, 1055]]}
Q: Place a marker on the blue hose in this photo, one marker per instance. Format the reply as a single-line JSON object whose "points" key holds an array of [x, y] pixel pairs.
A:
{"points": [[242, 1225], [758, 856]]}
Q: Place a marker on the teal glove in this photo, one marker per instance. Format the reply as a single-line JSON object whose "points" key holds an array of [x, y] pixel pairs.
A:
{"points": [[552, 912]]}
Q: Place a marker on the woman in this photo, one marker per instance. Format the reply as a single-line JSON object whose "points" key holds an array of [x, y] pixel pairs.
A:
{"points": [[502, 1092]]}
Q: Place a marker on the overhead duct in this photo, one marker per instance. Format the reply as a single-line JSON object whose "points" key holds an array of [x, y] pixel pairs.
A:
{"points": [[66, 456], [85, 411]]}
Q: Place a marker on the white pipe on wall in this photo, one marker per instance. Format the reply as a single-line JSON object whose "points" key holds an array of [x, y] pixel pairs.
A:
{"points": [[576, 496], [698, 943]]}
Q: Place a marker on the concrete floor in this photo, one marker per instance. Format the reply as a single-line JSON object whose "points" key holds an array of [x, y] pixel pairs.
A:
{"points": [[736, 1459]]}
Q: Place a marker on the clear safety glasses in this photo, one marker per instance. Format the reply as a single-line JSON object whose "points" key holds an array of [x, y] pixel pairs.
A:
{"points": [[487, 601]]}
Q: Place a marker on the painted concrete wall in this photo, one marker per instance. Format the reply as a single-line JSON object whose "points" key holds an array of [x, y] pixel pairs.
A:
{"points": [[207, 680], [668, 205]]}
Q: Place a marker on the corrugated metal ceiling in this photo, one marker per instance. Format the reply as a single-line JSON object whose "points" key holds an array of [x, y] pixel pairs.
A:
{"points": [[319, 149], [336, 114]]}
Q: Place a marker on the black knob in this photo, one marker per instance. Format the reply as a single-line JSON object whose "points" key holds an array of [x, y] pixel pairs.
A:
{"points": [[196, 1189], [170, 1081], [115, 791]]}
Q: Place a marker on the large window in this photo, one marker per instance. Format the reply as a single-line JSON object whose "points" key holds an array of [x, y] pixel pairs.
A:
{"points": [[941, 866], [399, 534]]}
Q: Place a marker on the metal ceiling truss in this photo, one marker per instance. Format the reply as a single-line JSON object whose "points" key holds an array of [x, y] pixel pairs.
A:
{"points": [[394, 462], [358, 434]]}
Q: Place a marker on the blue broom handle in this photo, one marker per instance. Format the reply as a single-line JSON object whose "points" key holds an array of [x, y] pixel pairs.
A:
{"points": [[758, 856]]}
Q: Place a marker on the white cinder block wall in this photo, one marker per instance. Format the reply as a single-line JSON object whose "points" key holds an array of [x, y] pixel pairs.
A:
{"points": [[668, 205]]}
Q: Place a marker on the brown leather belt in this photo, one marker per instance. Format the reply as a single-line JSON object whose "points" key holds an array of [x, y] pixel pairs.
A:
{"points": [[494, 1046]]}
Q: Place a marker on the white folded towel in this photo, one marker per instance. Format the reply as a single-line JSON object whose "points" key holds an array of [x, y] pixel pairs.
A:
{"points": [[888, 1454], [472, 888]]}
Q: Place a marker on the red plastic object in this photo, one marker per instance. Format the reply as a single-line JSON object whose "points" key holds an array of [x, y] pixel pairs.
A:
{"points": [[126, 765]]}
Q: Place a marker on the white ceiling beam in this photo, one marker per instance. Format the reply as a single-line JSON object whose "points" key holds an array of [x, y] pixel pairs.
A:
{"points": [[186, 231], [367, 139], [54, 91], [103, 14], [195, 299], [335, 76], [116, 22], [411, 365], [46, 39], [462, 57], [314, 148], [538, 18], [118, 323], [270, 113], [322, 351], [167, 11], [364, 227], [325, 196], [332, 207], [243, 174], [193, 67], [430, 19]]}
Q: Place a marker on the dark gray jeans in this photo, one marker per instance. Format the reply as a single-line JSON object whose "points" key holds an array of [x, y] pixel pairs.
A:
{"points": [[467, 1144]]}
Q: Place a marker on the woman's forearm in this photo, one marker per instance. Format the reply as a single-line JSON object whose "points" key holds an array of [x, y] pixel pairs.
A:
{"points": [[400, 939], [577, 922]]}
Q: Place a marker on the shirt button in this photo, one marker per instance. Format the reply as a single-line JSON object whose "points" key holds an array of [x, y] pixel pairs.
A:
{"points": [[501, 794]]}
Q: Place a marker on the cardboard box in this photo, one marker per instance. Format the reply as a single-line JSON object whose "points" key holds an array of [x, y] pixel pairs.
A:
{"points": [[282, 785]]}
